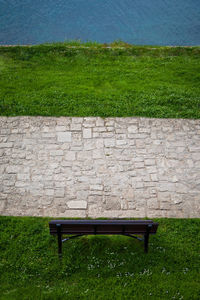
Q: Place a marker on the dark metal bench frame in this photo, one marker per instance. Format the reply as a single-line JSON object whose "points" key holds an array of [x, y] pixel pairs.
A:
{"points": [[104, 227]]}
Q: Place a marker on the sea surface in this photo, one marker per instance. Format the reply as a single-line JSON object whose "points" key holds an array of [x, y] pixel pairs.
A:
{"points": [[141, 22]]}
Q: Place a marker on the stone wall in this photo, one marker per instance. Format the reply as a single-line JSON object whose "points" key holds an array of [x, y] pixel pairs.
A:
{"points": [[93, 167]]}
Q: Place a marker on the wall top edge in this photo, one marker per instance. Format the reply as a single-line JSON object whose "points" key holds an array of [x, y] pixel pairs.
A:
{"points": [[93, 118]]}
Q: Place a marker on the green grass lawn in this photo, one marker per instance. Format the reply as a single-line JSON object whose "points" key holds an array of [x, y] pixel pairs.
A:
{"points": [[72, 79], [102, 267]]}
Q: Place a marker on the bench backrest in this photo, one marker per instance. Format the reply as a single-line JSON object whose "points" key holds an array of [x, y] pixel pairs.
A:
{"points": [[103, 226]]}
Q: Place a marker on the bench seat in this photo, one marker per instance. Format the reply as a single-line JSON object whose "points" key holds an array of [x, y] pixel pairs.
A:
{"points": [[87, 227]]}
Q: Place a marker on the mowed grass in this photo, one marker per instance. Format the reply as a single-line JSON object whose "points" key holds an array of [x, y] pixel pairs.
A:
{"points": [[101, 267], [73, 79]]}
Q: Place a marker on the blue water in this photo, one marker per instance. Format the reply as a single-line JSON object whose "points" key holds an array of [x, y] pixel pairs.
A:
{"points": [[152, 22]]}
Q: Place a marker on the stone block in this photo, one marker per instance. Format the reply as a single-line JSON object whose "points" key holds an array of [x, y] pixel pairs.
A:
{"points": [[151, 169], [59, 184], [60, 193], [95, 193], [21, 183], [108, 135], [165, 205], [154, 177], [95, 199], [77, 204], [181, 188], [140, 144], [75, 126], [98, 154], [6, 145], [49, 192], [89, 145], [7, 183], [96, 187], [75, 213], [133, 129], [60, 177], [87, 133], [131, 205], [112, 203], [152, 203], [70, 155], [109, 143], [76, 120], [37, 177], [21, 176], [2, 205], [89, 122], [2, 152], [165, 186], [48, 135], [60, 128], [56, 153], [13, 169], [150, 162], [84, 155], [82, 195], [139, 165], [99, 144], [121, 142], [99, 122], [196, 156], [64, 137], [99, 129], [139, 185], [129, 194], [164, 196], [177, 199]]}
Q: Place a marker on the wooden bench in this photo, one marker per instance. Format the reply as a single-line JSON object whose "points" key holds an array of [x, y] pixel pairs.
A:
{"points": [[78, 228]]}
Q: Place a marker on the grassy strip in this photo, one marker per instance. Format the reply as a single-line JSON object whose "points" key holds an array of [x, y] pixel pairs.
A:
{"points": [[102, 267], [74, 79]]}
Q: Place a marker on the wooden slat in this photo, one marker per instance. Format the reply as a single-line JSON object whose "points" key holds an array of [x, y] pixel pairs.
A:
{"points": [[102, 226], [96, 222]]}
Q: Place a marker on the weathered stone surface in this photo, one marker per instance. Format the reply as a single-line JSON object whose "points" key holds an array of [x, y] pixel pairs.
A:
{"points": [[132, 129], [77, 204], [87, 133], [114, 167], [70, 155], [64, 136], [112, 203]]}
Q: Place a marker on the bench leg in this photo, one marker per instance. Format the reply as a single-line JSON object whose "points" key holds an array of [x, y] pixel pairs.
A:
{"points": [[146, 238], [59, 240], [146, 241]]}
